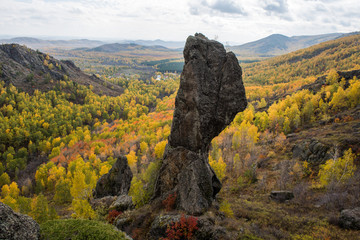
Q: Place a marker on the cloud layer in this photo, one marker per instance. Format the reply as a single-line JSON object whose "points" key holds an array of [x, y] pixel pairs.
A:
{"points": [[231, 20]]}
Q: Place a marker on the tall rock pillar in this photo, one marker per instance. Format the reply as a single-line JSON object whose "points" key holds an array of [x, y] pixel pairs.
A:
{"points": [[211, 93]]}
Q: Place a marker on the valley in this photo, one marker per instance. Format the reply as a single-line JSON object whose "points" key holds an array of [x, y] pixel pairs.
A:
{"points": [[67, 115]]}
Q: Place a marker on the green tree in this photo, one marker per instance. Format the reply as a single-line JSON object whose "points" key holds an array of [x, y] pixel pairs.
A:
{"points": [[4, 179], [137, 192], [62, 192], [40, 209]]}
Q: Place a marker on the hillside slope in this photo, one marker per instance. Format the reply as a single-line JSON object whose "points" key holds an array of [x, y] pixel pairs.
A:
{"points": [[277, 44], [342, 54], [29, 70]]}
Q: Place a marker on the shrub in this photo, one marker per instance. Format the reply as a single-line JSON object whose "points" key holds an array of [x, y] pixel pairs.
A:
{"points": [[169, 202], [77, 229], [112, 216], [250, 174], [226, 208], [183, 229]]}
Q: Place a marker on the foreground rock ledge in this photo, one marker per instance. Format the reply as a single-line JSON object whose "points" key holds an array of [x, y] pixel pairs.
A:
{"points": [[17, 226], [211, 93]]}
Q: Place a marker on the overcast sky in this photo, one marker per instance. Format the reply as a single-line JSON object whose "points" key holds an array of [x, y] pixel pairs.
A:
{"points": [[232, 21]]}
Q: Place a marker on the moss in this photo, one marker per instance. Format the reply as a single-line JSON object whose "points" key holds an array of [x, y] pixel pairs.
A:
{"points": [[249, 237], [76, 229]]}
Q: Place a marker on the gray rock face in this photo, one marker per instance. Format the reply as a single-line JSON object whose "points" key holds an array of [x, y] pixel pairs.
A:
{"points": [[122, 203], [281, 196], [116, 182], [312, 151], [350, 218], [16, 226], [102, 203], [191, 177], [211, 93]]}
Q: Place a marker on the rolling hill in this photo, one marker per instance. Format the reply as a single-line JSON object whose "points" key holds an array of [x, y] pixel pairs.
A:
{"points": [[167, 44], [127, 47], [277, 44]]}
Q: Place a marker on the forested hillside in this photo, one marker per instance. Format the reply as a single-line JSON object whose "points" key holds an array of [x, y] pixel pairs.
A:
{"points": [[28, 70], [339, 54], [56, 144]]}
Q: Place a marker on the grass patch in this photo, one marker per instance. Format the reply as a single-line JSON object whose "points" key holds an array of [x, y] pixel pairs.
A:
{"points": [[77, 229]]}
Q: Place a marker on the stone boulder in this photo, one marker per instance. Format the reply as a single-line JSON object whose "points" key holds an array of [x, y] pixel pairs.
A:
{"points": [[122, 203], [211, 93], [116, 182], [16, 226], [281, 196], [350, 218], [102, 204]]}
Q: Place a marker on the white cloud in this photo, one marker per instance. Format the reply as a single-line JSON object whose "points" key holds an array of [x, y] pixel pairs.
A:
{"points": [[232, 20]]}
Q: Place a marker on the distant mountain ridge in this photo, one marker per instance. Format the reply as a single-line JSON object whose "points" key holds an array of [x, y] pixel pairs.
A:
{"points": [[36, 43], [157, 42], [118, 47], [270, 46], [277, 44]]}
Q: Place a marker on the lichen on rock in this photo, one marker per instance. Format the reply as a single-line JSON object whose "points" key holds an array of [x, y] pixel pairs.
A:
{"points": [[17, 226]]}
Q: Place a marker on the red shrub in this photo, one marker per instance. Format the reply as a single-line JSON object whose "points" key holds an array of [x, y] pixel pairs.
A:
{"points": [[136, 233], [169, 202], [112, 216], [184, 229]]}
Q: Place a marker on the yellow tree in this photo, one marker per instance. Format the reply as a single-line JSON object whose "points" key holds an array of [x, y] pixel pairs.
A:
{"points": [[159, 149], [132, 159], [338, 170]]}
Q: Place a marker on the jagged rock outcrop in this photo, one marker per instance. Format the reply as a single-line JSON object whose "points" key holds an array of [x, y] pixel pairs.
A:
{"points": [[311, 151], [211, 93], [16, 226], [116, 182]]}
